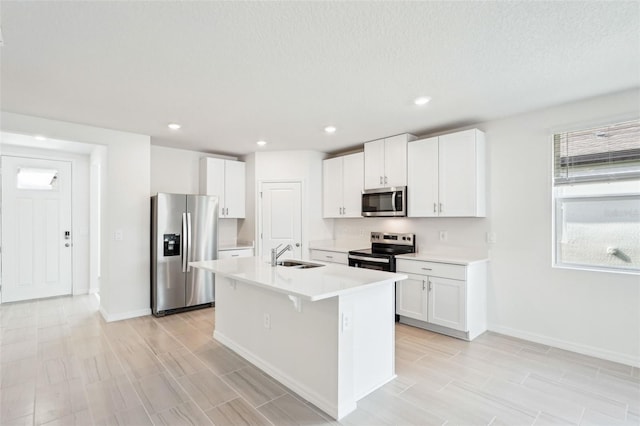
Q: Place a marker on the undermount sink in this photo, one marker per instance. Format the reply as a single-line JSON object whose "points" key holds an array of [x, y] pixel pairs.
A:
{"points": [[296, 264]]}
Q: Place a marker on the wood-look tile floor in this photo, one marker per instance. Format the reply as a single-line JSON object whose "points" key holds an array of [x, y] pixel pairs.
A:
{"points": [[61, 364]]}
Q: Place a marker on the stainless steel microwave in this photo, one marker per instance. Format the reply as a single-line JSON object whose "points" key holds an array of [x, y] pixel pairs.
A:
{"points": [[385, 202]]}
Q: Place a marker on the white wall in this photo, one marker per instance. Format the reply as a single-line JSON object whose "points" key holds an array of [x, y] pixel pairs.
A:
{"points": [[596, 313], [177, 171], [304, 166], [125, 264], [97, 199], [79, 207]]}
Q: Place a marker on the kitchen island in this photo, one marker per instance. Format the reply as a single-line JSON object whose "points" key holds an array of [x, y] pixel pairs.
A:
{"points": [[327, 332]]}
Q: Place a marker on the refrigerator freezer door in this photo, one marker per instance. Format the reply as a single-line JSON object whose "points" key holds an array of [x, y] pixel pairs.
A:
{"points": [[167, 278], [203, 245]]}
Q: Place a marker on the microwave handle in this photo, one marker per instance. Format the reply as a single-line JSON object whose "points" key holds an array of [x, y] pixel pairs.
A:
{"points": [[393, 201]]}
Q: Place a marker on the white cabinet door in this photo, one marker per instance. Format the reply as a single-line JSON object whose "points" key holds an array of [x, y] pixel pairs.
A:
{"points": [[447, 303], [374, 164], [332, 187], [395, 161], [458, 169], [422, 171], [234, 177], [353, 183], [411, 297], [212, 175]]}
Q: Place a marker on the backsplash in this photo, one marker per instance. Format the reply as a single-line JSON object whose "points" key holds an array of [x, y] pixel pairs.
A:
{"points": [[467, 233]]}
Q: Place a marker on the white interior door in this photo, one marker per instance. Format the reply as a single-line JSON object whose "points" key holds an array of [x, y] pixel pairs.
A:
{"points": [[36, 217], [281, 222]]}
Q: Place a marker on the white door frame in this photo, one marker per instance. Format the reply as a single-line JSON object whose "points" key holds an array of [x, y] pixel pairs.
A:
{"points": [[57, 155], [303, 214]]}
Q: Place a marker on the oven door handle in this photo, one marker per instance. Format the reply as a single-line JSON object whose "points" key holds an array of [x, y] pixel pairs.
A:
{"points": [[369, 259]]}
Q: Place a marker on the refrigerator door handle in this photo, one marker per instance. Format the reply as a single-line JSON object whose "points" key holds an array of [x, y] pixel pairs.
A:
{"points": [[188, 256], [184, 242]]}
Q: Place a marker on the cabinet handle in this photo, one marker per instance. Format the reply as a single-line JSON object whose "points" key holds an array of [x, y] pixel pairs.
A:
{"points": [[440, 207], [423, 284], [385, 180], [426, 269], [235, 255], [430, 285], [329, 257], [380, 180], [435, 207], [344, 210]]}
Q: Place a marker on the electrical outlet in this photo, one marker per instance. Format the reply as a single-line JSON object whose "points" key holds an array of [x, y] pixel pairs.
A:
{"points": [[491, 237], [118, 235], [267, 321], [444, 235]]}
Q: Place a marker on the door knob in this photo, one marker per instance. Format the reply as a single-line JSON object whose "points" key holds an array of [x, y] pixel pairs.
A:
{"points": [[67, 244], [297, 244]]}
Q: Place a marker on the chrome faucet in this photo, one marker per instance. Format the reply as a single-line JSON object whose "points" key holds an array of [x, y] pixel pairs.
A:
{"points": [[275, 254]]}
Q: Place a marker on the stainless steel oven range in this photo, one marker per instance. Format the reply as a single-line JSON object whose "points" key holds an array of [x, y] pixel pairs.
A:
{"points": [[384, 247]]}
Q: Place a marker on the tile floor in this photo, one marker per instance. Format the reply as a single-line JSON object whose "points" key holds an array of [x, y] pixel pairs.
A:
{"points": [[61, 364]]}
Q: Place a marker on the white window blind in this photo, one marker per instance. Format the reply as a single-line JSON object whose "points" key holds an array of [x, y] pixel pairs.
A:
{"points": [[599, 154]]}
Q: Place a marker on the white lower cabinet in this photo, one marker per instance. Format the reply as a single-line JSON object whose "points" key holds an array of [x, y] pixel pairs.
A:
{"points": [[447, 303], [330, 256], [442, 297], [411, 297]]}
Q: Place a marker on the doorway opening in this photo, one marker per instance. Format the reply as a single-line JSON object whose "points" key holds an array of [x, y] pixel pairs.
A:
{"points": [[33, 219]]}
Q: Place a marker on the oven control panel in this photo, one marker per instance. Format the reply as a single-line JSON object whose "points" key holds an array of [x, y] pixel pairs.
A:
{"points": [[390, 238]]}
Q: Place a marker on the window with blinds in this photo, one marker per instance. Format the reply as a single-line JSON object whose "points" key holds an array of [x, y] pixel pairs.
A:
{"points": [[598, 154], [596, 190]]}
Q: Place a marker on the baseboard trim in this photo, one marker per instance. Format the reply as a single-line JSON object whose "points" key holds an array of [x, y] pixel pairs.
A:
{"points": [[123, 315], [569, 346]]}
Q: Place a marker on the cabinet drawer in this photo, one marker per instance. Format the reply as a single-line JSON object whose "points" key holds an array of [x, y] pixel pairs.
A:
{"points": [[227, 254], [445, 270], [330, 256]]}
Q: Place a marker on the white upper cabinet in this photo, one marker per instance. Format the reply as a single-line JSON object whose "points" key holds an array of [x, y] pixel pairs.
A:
{"points": [[342, 186], [226, 179], [422, 191], [446, 175], [385, 162]]}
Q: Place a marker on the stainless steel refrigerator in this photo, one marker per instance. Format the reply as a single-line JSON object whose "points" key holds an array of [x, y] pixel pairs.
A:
{"points": [[184, 228]]}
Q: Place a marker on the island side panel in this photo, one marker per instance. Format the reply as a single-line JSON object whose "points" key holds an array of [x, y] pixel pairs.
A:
{"points": [[299, 349], [372, 320]]}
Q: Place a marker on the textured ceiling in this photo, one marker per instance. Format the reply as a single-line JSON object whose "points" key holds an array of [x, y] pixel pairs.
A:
{"points": [[235, 72]]}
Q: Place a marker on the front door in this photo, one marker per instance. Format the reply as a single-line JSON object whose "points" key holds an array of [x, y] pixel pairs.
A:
{"points": [[36, 228], [281, 209]]}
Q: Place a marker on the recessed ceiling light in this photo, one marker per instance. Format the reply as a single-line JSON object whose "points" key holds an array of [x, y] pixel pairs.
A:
{"points": [[330, 129], [262, 143], [174, 126], [422, 100], [40, 138]]}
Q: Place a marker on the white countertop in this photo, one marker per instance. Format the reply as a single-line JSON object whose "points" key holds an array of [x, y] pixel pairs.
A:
{"points": [[340, 246], [456, 258], [311, 284]]}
